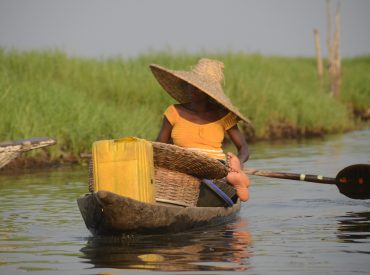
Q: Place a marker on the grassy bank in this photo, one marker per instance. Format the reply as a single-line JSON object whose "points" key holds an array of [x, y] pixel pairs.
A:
{"points": [[78, 101]]}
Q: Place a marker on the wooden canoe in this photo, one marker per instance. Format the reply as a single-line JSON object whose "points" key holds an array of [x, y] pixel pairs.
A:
{"points": [[9, 150], [106, 213]]}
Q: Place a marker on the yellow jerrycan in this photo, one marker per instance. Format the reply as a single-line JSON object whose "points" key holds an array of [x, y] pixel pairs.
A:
{"points": [[125, 167]]}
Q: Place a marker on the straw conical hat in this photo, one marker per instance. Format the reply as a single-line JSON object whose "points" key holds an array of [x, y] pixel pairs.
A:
{"points": [[206, 76]]}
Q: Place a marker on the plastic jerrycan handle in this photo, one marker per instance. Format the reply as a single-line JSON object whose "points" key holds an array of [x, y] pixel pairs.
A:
{"points": [[126, 139]]}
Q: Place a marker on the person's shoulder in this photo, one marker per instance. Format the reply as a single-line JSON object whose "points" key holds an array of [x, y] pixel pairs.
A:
{"points": [[181, 108], [229, 120], [230, 114], [223, 112], [171, 113], [171, 107], [178, 106], [220, 112]]}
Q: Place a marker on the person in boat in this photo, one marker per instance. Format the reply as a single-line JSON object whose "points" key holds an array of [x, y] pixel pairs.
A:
{"points": [[202, 117]]}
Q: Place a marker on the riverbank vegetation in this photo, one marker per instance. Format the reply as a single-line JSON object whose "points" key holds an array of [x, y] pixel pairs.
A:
{"points": [[80, 100]]}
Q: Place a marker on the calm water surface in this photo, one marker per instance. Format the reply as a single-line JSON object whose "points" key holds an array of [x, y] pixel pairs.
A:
{"points": [[287, 227]]}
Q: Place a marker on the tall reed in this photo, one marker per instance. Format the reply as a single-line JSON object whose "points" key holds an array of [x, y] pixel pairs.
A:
{"points": [[80, 100]]}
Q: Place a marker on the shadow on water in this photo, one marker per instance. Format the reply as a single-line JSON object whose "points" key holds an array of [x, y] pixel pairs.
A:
{"points": [[354, 227], [221, 248]]}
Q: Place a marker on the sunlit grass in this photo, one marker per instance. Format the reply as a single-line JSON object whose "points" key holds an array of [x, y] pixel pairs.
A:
{"points": [[78, 101]]}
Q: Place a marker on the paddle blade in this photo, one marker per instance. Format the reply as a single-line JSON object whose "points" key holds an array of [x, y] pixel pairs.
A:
{"points": [[354, 181]]}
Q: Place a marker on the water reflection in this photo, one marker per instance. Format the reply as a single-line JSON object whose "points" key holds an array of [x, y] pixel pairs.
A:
{"points": [[354, 227], [221, 248], [297, 228]]}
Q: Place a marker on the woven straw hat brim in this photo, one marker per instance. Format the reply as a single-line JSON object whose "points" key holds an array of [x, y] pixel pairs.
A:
{"points": [[172, 82], [183, 160]]}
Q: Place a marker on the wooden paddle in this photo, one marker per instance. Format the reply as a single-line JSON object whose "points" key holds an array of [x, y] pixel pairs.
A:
{"points": [[352, 181]]}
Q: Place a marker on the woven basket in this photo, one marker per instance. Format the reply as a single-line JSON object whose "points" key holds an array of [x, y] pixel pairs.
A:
{"points": [[175, 187], [196, 164]]}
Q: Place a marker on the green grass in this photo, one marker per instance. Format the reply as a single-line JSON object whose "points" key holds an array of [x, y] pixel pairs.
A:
{"points": [[78, 100]]}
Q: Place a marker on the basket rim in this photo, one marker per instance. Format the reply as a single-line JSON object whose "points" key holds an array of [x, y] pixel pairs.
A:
{"points": [[186, 161]]}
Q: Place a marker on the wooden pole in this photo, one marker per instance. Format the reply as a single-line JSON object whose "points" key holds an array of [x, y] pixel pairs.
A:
{"points": [[320, 69], [329, 44], [328, 30], [334, 58], [337, 58]]}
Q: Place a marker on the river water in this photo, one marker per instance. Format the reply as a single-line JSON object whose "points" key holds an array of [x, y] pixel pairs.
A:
{"points": [[287, 227]]}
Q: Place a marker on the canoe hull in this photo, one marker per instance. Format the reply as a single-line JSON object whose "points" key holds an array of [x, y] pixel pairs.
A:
{"points": [[106, 213], [10, 150]]}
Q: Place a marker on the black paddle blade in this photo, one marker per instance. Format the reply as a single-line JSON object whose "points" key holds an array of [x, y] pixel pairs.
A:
{"points": [[354, 181]]}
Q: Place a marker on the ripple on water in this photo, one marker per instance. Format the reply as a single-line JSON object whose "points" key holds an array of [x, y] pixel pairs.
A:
{"points": [[287, 227]]}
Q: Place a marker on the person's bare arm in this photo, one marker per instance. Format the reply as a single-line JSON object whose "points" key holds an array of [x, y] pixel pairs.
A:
{"points": [[165, 131], [239, 141]]}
